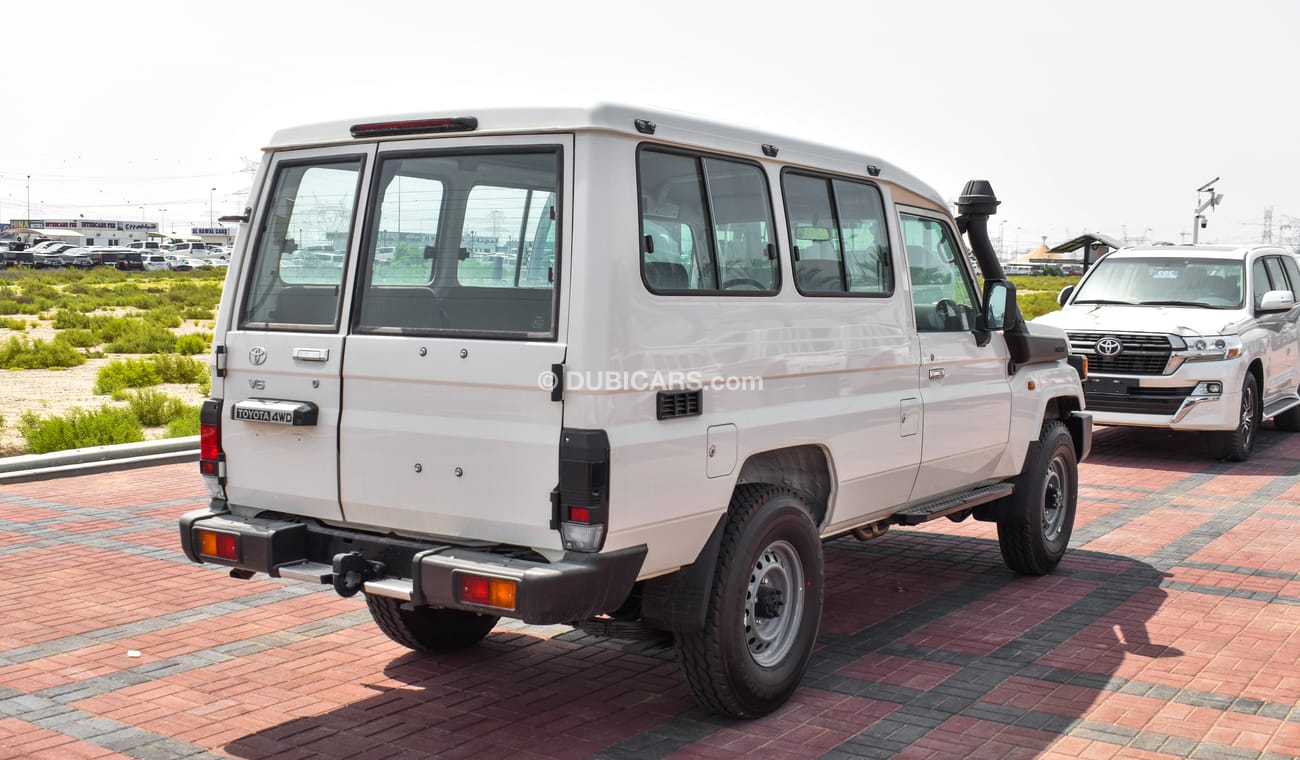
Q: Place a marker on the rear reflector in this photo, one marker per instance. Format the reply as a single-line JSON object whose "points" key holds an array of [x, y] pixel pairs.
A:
{"points": [[415, 127], [218, 545], [489, 592]]}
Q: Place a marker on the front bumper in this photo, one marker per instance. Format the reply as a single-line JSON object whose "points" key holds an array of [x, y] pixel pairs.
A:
{"points": [[423, 573], [1176, 402]]}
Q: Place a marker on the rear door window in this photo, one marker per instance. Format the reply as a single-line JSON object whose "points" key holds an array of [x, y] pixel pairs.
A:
{"points": [[464, 243], [837, 227], [310, 204]]}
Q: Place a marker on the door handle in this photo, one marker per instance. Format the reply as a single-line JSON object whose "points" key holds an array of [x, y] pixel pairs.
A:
{"points": [[936, 373], [312, 354]]}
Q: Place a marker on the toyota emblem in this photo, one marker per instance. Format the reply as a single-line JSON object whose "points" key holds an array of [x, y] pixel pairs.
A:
{"points": [[1109, 346], [257, 356]]}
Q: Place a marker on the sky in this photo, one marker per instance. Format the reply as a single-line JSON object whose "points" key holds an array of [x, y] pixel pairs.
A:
{"points": [[1086, 117]]}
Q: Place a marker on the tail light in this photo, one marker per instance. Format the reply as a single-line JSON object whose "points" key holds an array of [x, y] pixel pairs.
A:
{"points": [[489, 592], [212, 460], [582, 498]]}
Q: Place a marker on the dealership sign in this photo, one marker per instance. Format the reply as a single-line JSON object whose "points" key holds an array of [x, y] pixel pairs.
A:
{"points": [[210, 231]]}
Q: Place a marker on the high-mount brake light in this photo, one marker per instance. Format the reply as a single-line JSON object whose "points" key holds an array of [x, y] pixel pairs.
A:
{"points": [[415, 127]]}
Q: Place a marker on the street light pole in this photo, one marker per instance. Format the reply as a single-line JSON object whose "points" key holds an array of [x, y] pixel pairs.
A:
{"points": [[29, 197], [210, 192], [161, 218]]}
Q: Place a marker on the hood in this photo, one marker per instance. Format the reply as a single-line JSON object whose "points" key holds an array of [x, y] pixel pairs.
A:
{"points": [[1146, 319]]}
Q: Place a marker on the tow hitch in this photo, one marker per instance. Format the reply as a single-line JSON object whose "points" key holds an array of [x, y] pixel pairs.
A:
{"points": [[351, 571]]}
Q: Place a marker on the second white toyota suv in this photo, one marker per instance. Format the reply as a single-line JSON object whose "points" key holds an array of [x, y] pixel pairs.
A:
{"points": [[1190, 338]]}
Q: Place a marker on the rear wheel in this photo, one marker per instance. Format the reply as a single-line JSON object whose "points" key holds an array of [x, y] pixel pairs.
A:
{"points": [[428, 629], [1235, 445], [764, 608], [1039, 514]]}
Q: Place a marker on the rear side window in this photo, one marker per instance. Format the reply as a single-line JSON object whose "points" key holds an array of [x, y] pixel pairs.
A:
{"points": [[309, 205], [464, 243], [706, 225], [837, 227]]}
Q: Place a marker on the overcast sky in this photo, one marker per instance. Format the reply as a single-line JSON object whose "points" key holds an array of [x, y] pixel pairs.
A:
{"points": [[1098, 116]]}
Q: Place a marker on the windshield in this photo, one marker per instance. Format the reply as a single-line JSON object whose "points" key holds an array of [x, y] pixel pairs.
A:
{"points": [[1164, 281]]}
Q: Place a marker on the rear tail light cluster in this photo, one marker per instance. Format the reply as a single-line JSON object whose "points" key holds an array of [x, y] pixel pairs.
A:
{"points": [[582, 498], [212, 460], [217, 545], [487, 591]]}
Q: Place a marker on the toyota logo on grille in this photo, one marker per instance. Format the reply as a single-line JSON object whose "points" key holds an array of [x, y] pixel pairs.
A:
{"points": [[1109, 346], [257, 355]]}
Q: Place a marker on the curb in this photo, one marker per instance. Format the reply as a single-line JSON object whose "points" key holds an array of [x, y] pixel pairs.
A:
{"points": [[95, 459]]}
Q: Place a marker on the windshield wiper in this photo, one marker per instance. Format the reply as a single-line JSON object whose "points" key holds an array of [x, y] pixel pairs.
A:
{"points": [[1105, 301], [1177, 303]]}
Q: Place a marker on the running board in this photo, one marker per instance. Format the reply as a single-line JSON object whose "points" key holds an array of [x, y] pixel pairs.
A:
{"points": [[949, 504], [1277, 407]]}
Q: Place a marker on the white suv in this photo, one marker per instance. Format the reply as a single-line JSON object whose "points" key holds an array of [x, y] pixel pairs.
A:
{"points": [[1190, 338], [707, 350]]}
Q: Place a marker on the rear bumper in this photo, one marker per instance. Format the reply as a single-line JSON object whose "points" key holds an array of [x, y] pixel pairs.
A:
{"points": [[423, 573]]}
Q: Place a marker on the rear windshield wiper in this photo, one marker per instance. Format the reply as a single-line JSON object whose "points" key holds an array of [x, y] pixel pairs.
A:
{"points": [[1177, 303]]}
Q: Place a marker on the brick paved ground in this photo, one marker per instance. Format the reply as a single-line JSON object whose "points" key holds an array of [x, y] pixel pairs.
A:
{"points": [[1171, 630]]}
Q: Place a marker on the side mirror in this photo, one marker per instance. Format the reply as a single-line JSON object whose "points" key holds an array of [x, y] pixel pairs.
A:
{"points": [[1065, 294], [1277, 300], [996, 295]]}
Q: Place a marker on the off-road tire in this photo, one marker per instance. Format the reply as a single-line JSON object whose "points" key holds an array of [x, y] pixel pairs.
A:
{"points": [[750, 657], [1038, 516], [1235, 445], [428, 629]]}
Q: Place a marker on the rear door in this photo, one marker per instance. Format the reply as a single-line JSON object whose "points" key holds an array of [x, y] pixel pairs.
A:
{"points": [[284, 348], [965, 392], [449, 427]]}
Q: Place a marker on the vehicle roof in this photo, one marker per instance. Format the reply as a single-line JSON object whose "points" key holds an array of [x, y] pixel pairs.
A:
{"points": [[670, 127], [1194, 251]]}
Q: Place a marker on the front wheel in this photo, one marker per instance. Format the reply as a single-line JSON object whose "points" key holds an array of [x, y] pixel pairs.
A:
{"points": [[1039, 514], [1235, 445], [764, 608], [428, 629]]}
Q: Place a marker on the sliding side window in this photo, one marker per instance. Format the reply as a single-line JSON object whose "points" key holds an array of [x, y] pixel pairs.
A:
{"points": [[841, 246], [706, 225]]}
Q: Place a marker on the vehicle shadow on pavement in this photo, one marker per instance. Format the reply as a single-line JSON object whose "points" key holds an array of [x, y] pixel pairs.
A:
{"points": [[1182, 451], [927, 640]]}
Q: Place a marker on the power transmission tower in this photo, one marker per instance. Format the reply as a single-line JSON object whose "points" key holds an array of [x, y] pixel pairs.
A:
{"points": [[1268, 226]]}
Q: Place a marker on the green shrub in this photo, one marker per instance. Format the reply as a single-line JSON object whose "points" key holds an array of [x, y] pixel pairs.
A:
{"points": [[143, 337], [154, 408], [184, 425], [205, 385], [20, 353], [11, 323], [79, 338], [126, 373], [174, 368], [1036, 304], [69, 320], [191, 344], [78, 429]]}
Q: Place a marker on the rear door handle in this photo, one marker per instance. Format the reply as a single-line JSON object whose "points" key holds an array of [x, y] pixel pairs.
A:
{"points": [[936, 373], [312, 354]]}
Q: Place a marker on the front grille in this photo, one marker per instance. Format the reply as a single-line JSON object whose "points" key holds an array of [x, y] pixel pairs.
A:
{"points": [[1142, 354], [1162, 401]]}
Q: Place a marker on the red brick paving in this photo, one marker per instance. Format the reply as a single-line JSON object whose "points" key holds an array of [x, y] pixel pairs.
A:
{"points": [[1220, 622]]}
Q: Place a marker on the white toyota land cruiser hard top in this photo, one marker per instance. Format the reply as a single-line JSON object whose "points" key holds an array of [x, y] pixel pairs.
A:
{"points": [[619, 369], [1190, 338]]}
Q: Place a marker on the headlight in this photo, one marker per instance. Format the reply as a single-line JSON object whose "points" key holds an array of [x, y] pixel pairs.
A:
{"points": [[1212, 348]]}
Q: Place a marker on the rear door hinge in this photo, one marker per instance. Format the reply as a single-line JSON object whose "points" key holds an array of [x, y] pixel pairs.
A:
{"points": [[557, 382], [219, 360], [555, 508]]}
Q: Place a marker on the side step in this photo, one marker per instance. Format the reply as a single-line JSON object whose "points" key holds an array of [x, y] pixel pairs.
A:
{"points": [[949, 504]]}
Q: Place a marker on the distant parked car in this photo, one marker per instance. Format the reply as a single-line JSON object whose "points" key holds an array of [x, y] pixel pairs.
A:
{"points": [[77, 257], [154, 262], [51, 246], [46, 260], [143, 245], [131, 259]]}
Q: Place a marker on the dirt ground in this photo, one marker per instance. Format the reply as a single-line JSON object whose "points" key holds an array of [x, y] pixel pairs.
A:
{"points": [[50, 392]]}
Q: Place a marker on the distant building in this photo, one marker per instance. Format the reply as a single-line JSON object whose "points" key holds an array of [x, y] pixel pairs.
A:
{"points": [[82, 231]]}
